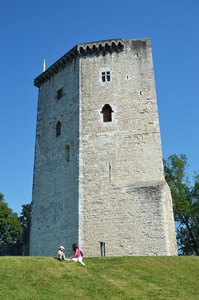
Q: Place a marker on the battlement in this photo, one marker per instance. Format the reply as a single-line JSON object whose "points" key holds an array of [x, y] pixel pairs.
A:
{"points": [[100, 47]]}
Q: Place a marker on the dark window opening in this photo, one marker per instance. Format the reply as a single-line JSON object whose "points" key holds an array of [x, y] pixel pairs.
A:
{"points": [[109, 171], [107, 113], [59, 93], [106, 76], [102, 248], [103, 77], [58, 129], [67, 152]]}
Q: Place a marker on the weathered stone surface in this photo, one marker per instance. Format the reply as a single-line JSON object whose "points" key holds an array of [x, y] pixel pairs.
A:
{"points": [[101, 181]]}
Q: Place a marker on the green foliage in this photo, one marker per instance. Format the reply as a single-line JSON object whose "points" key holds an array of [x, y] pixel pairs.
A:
{"points": [[10, 227], [185, 203], [25, 217], [102, 278]]}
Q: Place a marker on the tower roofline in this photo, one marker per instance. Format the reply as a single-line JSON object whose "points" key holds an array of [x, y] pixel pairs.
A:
{"points": [[99, 47], [80, 50]]}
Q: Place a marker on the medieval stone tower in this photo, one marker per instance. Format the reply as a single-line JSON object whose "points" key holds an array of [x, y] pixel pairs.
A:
{"points": [[98, 171]]}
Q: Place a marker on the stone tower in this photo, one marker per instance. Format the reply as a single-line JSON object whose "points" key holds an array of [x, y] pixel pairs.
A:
{"points": [[98, 172]]}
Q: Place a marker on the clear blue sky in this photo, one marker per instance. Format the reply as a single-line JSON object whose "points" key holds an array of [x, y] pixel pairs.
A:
{"points": [[32, 30]]}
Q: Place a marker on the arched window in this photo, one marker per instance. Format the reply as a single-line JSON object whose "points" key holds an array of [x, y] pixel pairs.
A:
{"points": [[58, 129], [107, 111]]}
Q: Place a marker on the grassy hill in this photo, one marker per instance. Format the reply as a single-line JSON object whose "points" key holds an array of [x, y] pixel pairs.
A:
{"points": [[101, 278]]}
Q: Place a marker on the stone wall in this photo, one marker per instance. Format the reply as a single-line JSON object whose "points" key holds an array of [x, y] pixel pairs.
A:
{"points": [[55, 182], [118, 154], [19, 249], [10, 250], [134, 225]]}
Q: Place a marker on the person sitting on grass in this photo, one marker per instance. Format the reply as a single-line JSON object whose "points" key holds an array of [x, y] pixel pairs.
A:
{"points": [[77, 257], [60, 253]]}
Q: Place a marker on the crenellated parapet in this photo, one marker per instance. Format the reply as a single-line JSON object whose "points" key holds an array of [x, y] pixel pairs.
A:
{"points": [[107, 46], [80, 50]]}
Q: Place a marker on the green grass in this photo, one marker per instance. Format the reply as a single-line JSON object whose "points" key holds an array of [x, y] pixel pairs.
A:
{"points": [[101, 278]]}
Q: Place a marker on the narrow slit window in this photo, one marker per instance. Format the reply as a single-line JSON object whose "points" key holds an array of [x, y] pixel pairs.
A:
{"points": [[59, 94], [103, 77], [108, 76], [109, 171], [107, 113], [102, 248], [67, 152], [58, 129]]}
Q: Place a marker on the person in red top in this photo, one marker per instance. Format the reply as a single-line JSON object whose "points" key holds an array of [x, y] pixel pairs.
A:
{"points": [[77, 257]]}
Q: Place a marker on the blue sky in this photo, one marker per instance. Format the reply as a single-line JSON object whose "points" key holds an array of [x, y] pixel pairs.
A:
{"points": [[32, 30]]}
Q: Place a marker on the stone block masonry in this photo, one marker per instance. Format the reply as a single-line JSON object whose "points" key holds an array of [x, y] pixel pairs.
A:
{"points": [[98, 171]]}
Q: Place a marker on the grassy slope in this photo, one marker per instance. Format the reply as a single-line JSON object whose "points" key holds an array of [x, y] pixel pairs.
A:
{"points": [[102, 278]]}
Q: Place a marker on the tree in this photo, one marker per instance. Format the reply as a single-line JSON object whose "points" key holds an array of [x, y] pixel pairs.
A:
{"points": [[10, 227], [25, 217], [185, 203]]}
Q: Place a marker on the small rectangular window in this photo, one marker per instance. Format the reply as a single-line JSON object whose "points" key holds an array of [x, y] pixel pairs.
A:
{"points": [[106, 76], [102, 247], [59, 93], [103, 77]]}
